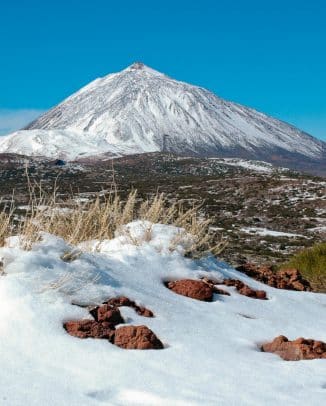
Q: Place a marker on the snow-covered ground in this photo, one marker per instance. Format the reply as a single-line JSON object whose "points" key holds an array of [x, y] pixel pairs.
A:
{"points": [[211, 354], [267, 232], [320, 229], [257, 166]]}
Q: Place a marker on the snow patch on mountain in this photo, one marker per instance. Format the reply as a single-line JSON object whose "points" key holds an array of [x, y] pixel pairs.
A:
{"points": [[256, 166], [64, 144]]}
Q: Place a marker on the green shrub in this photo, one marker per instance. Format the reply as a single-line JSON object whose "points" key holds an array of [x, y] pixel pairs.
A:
{"points": [[311, 262]]}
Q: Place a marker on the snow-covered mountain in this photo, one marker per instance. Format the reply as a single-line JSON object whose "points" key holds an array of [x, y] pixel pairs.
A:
{"points": [[141, 110]]}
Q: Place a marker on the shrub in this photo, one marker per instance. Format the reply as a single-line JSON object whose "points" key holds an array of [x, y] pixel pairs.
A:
{"points": [[311, 262]]}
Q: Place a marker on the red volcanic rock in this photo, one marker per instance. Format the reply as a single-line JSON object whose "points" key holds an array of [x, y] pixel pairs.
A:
{"points": [[261, 294], [108, 314], [136, 338], [89, 328], [143, 311], [290, 279], [124, 301], [299, 349], [120, 301], [293, 279], [192, 288], [245, 290], [212, 283]]}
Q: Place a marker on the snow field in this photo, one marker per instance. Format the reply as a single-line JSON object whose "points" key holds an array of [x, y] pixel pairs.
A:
{"points": [[211, 354]]}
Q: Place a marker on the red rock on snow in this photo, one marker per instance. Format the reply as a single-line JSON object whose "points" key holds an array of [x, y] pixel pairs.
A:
{"points": [[108, 314], [290, 279], [299, 349], [124, 301], [107, 317], [136, 338], [89, 328], [212, 283], [192, 288], [245, 290]]}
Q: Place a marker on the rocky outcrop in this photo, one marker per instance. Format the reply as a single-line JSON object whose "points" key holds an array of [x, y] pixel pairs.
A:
{"points": [[290, 278], [245, 290], [194, 289], [136, 338], [296, 350]]}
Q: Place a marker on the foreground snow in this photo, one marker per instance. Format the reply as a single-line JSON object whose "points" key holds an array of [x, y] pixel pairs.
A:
{"points": [[211, 354]]}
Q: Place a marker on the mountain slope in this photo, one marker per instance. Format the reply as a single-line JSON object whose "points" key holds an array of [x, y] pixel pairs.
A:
{"points": [[142, 110]]}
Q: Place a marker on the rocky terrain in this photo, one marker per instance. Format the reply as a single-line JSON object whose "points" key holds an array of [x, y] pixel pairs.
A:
{"points": [[265, 213]]}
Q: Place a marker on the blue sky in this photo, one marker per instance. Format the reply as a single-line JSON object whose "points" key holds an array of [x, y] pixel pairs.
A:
{"points": [[269, 55]]}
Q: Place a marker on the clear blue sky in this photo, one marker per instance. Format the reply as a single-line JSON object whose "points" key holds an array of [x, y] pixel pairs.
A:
{"points": [[270, 55]]}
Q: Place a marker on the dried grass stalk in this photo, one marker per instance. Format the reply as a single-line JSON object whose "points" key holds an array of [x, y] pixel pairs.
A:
{"points": [[100, 219]]}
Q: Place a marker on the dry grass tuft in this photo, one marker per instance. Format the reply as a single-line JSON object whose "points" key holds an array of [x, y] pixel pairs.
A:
{"points": [[6, 223], [99, 220]]}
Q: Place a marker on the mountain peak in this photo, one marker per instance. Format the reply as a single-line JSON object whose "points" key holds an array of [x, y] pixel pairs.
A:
{"points": [[137, 65], [141, 67]]}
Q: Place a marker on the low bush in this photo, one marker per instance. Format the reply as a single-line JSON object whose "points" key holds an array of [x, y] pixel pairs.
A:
{"points": [[311, 262]]}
